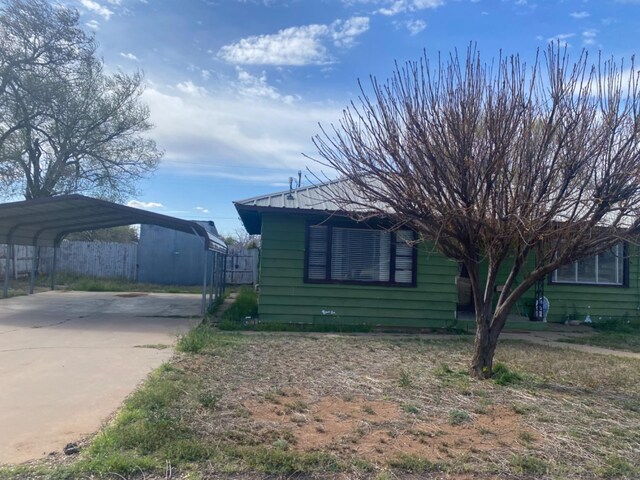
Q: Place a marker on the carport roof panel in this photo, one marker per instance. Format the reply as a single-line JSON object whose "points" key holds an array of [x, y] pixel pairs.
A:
{"points": [[45, 221]]}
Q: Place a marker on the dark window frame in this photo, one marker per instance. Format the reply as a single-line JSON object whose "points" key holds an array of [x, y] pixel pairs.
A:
{"points": [[625, 274], [329, 246]]}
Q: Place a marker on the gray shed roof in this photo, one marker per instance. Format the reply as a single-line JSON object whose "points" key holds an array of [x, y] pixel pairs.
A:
{"points": [[45, 221]]}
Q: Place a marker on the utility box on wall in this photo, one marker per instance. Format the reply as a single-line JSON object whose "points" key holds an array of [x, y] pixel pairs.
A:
{"points": [[170, 257]]}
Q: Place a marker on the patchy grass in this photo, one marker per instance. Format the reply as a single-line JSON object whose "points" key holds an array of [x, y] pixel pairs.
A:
{"points": [[503, 376], [629, 341], [617, 334], [92, 284], [311, 327], [242, 315], [65, 281], [368, 407], [204, 337], [245, 306]]}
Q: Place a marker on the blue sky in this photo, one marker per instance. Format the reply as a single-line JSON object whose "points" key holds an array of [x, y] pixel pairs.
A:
{"points": [[236, 88]]}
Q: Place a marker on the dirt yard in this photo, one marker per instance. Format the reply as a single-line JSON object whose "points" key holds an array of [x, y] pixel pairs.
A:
{"points": [[373, 407], [410, 404]]}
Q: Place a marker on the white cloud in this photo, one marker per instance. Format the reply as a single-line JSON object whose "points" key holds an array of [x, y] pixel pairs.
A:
{"points": [[191, 89], [303, 45], [394, 7], [129, 56], [415, 26], [579, 15], [147, 205], [97, 8], [93, 24], [345, 32], [205, 74], [252, 86], [228, 135], [589, 37], [202, 209], [561, 38]]}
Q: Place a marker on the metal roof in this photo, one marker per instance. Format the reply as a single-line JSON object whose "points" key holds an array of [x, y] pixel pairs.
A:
{"points": [[315, 199], [45, 221]]}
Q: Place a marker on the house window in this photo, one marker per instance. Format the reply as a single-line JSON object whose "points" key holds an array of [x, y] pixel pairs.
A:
{"points": [[359, 255], [607, 268]]}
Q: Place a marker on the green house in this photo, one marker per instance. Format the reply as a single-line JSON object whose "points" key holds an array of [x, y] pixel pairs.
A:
{"points": [[318, 266]]}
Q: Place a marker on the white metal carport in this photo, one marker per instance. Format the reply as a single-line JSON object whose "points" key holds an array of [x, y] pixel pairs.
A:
{"points": [[44, 222]]}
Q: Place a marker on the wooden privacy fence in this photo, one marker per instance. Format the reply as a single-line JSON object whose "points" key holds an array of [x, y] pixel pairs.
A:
{"points": [[20, 260], [94, 259], [105, 260], [242, 266]]}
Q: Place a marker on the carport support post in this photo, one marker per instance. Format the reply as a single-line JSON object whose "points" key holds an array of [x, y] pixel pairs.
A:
{"points": [[53, 268], [214, 276], [219, 276], [224, 272], [5, 286], [212, 255], [204, 284]]}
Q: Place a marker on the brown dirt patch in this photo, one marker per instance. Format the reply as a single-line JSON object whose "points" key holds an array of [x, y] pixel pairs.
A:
{"points": [[379, 430]]}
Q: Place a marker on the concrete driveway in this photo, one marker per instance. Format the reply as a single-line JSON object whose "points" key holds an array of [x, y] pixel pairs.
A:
{"points": [[68, 360]]}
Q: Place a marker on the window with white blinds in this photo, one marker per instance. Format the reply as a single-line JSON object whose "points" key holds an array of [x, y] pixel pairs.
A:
{"points": [[359, 255], [607, 268]]}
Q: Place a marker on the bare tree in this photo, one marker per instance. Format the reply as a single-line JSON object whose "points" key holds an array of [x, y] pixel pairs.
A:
{"points": [[241, 238], [501, 163], [125, 234], [66, 126]]}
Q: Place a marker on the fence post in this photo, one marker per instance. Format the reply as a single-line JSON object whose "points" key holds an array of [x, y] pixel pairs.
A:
{"points": [[5, 286], [53, 268], [255, 259], [34, 264]]}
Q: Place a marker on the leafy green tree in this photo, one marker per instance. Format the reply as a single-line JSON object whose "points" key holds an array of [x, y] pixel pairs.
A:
{"points": [[66, 126]]}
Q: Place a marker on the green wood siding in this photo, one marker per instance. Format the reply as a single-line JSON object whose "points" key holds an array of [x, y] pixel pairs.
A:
{"points": [[284, 297], [575, 302], [599, 301]]}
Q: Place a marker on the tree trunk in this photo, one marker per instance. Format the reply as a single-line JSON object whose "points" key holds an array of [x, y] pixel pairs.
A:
{"points": [[484, 347]]}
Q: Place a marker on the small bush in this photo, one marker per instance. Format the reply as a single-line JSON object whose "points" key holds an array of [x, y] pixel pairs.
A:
{"points": [[616, 467], [209, 400], [281, 444], [405, 379], [245, 305], [529, 465], [503, 376], [413, 464], [410, 408], [458, 417], [278, 461], [617, 325], [196, 339], [522, 409]]}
